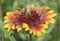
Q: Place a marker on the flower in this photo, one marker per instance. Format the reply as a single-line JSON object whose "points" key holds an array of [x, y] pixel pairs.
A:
{"points": [[32, 19]]}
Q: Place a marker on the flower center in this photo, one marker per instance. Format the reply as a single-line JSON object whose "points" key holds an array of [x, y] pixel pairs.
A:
{"points": [[32, 18]]}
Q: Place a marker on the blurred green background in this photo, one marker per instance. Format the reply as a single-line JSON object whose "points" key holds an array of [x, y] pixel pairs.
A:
{"points": [[53, 32]]}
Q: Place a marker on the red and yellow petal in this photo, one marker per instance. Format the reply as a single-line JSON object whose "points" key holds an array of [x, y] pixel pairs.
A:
{"points": [[19, 28], [10, 27], [49, 17], [50, 14], [52, 21], [39, 33], [42, 10]]}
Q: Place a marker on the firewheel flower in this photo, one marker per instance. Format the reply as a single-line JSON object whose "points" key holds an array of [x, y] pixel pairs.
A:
{"points": [[32, 19]]}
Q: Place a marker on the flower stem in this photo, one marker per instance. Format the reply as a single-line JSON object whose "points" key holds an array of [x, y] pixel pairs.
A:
{"points": [[30, 37]]}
